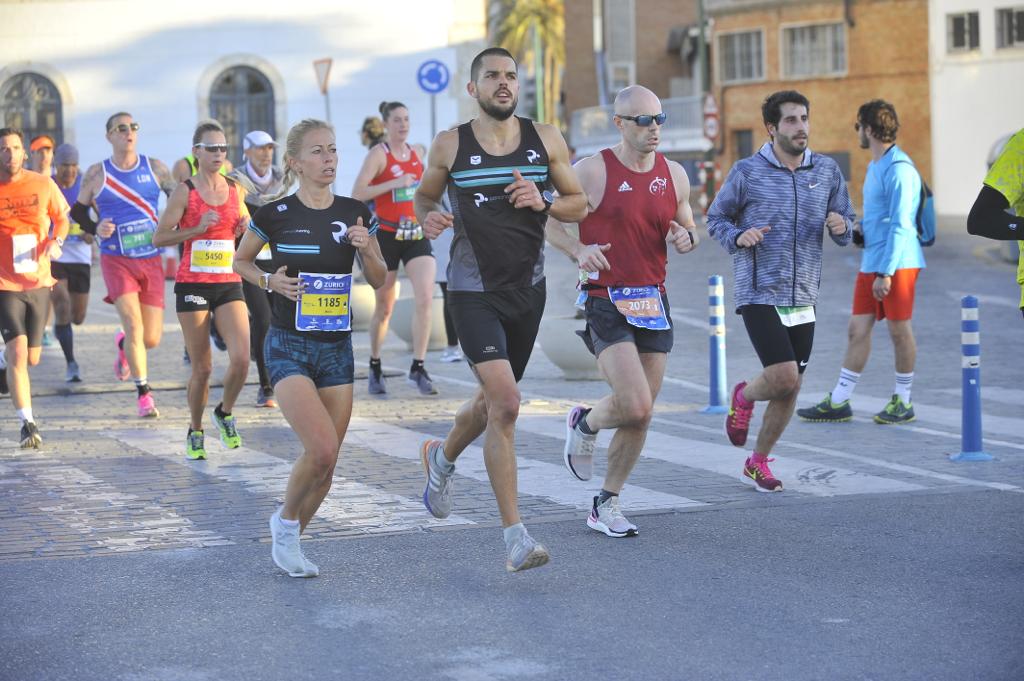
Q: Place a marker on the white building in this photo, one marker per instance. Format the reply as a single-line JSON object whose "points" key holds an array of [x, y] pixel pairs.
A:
{"points": [[67, 65], [977, 73]]}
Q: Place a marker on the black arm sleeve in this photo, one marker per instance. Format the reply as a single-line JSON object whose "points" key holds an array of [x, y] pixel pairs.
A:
{"points": [[988, 217], [80, 214]]}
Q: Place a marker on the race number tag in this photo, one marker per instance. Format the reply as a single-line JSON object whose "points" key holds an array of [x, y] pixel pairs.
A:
{"points": [[265, 253], [23, 248], [641, 306], [795, 316], [323, 303], [403, 194], [136, 238], [212, 255]]}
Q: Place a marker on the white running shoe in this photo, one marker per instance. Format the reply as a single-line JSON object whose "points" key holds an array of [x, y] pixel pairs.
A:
{"points": [[286, 551], [525, 553], [608, 518], [452, 353], [579, 447]]}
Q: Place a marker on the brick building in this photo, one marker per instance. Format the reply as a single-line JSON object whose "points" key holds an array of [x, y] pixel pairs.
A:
{"points": [[839, 54]]}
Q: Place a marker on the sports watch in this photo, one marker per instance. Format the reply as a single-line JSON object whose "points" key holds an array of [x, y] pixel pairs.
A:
{"points": [[548, 198], [265, 282]]}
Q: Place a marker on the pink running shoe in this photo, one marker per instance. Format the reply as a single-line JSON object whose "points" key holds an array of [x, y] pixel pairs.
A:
{"points": [[760, 476], [121, 370], [147, 407], [737, 421]]}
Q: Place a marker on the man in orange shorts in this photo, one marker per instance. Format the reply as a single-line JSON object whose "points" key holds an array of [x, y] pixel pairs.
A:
{"points": [[888, 270], [29, 204]]}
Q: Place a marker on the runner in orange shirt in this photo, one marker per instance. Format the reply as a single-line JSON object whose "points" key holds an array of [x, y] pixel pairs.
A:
{"points": [[29, 202]]}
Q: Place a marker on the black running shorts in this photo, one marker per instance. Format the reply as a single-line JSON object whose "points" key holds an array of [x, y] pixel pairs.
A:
{"points": [[775, 342], [498, 324], [395, 251], [606, 326], [76, 274], [198, 297], [23, 313]]}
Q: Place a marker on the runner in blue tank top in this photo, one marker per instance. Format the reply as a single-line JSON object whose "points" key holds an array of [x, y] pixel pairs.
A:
{"points": [[497, 170], [125, 190]]}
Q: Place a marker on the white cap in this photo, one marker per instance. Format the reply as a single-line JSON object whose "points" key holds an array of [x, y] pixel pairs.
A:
{"points": [[257, 138]]}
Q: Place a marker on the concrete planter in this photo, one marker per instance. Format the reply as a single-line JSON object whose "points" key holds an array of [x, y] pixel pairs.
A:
{"points": [[559, 342], [362, 303], [401, 322]]}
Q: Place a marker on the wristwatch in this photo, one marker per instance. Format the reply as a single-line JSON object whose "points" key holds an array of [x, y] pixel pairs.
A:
{"points": [[265, 282], [548, 198], [881, 275]]}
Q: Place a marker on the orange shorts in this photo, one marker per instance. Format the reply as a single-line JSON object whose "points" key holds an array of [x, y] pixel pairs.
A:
{"points": [[897, 306]]}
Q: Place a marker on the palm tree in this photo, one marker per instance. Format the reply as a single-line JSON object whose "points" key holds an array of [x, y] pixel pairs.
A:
{"points": [[535, 29]]}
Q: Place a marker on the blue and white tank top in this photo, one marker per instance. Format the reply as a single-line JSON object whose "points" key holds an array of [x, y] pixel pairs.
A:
{"points": [[129, 198]]}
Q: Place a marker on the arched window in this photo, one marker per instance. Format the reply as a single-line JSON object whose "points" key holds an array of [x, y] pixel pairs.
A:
{"points": [[31, 102], [242, 100]]}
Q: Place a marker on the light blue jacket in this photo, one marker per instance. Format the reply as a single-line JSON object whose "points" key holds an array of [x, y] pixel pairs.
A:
{"points": [[785, 268], [892, 194]]}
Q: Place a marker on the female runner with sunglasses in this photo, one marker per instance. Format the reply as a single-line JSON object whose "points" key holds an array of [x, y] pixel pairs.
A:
{"points": [[313, 237], [205, 212]]}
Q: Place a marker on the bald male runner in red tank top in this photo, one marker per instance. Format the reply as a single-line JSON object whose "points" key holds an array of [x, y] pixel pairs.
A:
{"points": [[637, 206]]}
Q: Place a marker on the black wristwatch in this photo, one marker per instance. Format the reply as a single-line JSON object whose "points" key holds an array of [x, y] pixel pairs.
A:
{"points": [[549, 200]]}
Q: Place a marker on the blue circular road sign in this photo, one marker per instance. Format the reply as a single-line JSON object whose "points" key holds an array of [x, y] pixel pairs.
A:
{"points": [[432, 76]]}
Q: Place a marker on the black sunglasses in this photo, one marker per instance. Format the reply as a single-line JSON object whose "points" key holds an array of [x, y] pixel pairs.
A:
{"points": [[222, 148], [645, 120], [124, 127]]}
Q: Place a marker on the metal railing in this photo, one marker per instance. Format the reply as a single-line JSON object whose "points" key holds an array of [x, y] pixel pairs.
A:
{"points": [[592, 128]]}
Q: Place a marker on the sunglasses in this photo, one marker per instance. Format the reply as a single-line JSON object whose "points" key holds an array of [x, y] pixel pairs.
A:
{"points": [[645, 120], [124, 127], [222, 148]]}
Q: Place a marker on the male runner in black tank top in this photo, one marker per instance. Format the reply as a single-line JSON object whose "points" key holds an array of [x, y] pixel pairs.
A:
{"points": [[496, 169]]}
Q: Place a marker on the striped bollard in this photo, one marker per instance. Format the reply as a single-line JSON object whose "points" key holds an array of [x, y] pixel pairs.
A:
{"points": [[716, 347], [970, 347]]}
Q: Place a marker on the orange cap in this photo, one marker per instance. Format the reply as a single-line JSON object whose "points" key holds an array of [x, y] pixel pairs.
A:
{"points": [[40, 141]]}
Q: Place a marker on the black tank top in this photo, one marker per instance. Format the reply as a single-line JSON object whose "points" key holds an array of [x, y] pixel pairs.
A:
{"points": [[496, 246]]}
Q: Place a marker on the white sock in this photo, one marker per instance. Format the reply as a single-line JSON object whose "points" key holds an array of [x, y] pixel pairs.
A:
{"points": [[441, 460], [903, 384], [26, 414], [844, 386], [512, 533], [288, 523]]}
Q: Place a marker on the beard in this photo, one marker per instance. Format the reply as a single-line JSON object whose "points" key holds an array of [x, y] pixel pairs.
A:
{"points": [[496, 111], [791, 146]]}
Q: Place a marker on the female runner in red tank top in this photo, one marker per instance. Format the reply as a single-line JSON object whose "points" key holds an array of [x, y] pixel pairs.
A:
{"points": [[207, 212], [389, 177]]}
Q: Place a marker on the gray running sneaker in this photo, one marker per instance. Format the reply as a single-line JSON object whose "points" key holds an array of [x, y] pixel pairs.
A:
{"points": [[419, 378], [73, 374], [579, 447], [377, 385], [30, 437], [286, 551], [607, 518], [525, 553], [437, 496]]}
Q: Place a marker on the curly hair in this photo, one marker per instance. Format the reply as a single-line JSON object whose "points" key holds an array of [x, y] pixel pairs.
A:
{"points": [[880, 116]]}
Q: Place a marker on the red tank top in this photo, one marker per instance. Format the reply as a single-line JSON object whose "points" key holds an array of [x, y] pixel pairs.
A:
{"points": [[396, 204], [633, 217], [207, 258]]}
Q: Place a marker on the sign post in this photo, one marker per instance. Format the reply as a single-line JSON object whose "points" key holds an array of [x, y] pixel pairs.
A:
{"points": [[322, 68], [433, 77]]}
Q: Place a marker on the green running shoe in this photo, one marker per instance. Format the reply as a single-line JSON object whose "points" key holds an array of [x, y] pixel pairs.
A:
{"points": [[826, 412], [195, 445], [895, 412], [228, 432]]}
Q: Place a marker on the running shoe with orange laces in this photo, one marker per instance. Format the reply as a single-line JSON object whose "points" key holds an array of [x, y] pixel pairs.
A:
{"points": [[737, 421], [760, 476]]}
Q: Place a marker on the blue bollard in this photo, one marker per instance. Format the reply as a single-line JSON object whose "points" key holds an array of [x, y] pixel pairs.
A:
{"points": [[716, 347], [970, 347]]}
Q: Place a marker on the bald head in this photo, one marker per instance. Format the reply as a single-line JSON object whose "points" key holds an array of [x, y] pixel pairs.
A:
{"points": [[636, 99]]}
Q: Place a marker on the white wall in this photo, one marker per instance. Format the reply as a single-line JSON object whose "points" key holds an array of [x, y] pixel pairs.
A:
{"points": [[976, 99], [156, 59]]}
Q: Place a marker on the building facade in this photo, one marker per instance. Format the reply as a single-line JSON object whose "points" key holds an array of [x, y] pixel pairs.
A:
{"points": [[67, 65], [839, 54]]}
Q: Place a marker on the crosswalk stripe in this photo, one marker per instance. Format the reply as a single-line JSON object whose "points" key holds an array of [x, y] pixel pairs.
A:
{"points": [[84, 503], [796, 474], [349, 504], [536, 478]]}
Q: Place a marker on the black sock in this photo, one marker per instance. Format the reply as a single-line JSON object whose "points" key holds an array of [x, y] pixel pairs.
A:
{"points": [[604, 496], [143, 389], [219, 411], [66, 338], [583, 425], [417, 365], [375, 366]]}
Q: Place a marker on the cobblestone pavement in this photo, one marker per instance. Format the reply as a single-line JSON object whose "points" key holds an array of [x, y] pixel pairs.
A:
{"points": [[106, 482]]}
